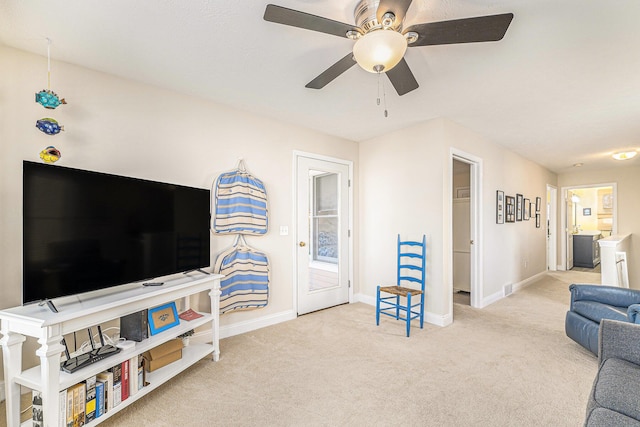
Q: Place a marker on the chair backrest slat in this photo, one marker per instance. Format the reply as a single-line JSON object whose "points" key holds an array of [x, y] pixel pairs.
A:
{"points": [[407, 272]]}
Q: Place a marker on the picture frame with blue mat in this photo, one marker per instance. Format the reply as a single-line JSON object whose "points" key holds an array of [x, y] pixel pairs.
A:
{"points": [[163, 317]]}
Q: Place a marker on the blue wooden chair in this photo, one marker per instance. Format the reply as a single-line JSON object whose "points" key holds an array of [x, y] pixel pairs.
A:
{"points": [[401, 303]]}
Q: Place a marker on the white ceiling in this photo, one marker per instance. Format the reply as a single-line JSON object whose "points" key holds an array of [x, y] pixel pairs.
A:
{"points": [[562, 87]]}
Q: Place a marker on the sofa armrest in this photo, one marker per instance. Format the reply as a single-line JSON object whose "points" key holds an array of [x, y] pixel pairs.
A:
{"points": [[633, 313], [620, 340], [610, 295]]}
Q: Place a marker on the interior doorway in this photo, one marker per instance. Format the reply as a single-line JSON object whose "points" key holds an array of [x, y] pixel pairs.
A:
{"points": [[552, 228], [588, 213], [468, 233], [323, 224], [461, 223]]}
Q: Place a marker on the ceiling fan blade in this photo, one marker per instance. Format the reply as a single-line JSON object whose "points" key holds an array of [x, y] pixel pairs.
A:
{"points": [[469, 30], [397, 7], [332, 72], [295, 18], [402, 78]]}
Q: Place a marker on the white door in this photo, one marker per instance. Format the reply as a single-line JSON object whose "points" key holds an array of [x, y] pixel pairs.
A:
{"points": [[322, 233]]}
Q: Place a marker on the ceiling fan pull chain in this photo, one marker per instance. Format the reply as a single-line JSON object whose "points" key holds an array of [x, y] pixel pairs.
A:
{"points": [[384, 98], [378, 100]]}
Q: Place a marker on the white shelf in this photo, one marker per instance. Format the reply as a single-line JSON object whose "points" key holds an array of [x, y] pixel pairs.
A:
{"points": [[87, 310], [31, 377]]}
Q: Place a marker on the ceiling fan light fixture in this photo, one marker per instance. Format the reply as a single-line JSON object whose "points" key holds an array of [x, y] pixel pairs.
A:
{"points": [[384, 48], [625, 155]]}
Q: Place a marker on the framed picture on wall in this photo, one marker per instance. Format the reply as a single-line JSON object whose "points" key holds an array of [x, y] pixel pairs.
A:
{"points": [[519, 207], [526, 210], [538, 202], [537, 219], [510, 208], [499, 207]]}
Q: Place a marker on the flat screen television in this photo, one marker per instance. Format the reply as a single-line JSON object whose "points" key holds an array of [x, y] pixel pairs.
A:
{"points": [[84, 231]]}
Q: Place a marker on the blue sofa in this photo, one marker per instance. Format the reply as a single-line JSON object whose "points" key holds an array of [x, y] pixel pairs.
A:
{"points": [[590, 304]]}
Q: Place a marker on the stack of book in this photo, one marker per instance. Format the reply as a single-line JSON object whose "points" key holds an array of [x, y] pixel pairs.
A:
{"points": [[97, 395]]}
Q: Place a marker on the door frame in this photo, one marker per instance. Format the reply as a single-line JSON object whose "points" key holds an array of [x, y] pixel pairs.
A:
{"points": [[564, 231], [293, 237], [552, 228], [475, 229]]}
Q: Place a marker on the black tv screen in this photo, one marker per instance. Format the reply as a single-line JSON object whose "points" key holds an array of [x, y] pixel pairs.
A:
{"points": [[85, 230]]}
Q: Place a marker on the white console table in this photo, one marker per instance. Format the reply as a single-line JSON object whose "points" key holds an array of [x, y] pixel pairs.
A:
{"points": [[82, 311]]}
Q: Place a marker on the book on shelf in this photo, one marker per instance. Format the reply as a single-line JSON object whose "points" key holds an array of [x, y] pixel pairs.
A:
{"points": [[37, 417], [62, 408], [125, 380], [79, 403], [99, 398], [189, 315], [90, 395], [117, 384], [69, 407], [107, 378], [133, 375]]}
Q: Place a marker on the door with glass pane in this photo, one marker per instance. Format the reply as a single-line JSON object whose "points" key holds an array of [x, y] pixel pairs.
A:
{"points": [[322, 234]]}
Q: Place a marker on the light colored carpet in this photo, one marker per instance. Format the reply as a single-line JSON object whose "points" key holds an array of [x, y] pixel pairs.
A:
{"points": [[509, 364]]}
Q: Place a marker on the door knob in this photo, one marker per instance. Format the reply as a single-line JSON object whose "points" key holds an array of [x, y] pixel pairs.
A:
{"points": [[302, 244], [472, 242]]}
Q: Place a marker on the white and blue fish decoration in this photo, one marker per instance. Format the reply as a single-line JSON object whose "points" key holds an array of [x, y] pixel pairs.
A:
{"points": [[49, 99], [49, 126]]}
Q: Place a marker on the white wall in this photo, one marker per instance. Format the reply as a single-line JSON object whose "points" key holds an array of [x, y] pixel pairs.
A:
{"points": [[123, 127], [408, 185]]}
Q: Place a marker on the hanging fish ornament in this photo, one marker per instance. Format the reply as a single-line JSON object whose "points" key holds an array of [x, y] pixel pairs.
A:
{"points": [[46, 97], [50, 154], [49, 126], [49, 99]]}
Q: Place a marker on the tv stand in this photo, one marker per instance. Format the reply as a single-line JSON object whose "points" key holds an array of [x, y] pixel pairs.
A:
{"points": [[95, 308]]}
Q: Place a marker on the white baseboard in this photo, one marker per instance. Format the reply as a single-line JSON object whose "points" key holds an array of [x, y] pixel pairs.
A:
{"points": [[526, 282], [251, 325], [492, 298], [1, 391], [434, 319]]}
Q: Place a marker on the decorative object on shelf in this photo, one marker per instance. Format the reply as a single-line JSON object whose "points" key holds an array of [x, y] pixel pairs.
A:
{"points": [[499, 207], [50, 154], [519, 207], [189, 315], [49, 126], [163, 317], [46, 97], [185, 337], [510, 212], [246, 282], [240, 203]]}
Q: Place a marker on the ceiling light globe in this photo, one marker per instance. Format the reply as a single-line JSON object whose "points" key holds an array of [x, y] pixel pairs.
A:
{"points": [[624, 155], [380, 47]]}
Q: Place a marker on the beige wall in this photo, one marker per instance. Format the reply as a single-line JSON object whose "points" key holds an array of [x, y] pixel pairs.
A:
{"points": [[123, 127], [628, 204], [408, 186]]}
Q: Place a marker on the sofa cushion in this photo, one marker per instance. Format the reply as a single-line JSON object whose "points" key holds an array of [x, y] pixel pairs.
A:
{"points": [[602, 417], [616, 387], [597, 311]]}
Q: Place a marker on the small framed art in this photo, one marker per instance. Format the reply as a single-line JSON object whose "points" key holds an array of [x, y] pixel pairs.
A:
{"points": [[538, 202], [537, 219], [510, 208], [519, 207], [163, 317], [586, 212], [499, 207], [526, 210]]}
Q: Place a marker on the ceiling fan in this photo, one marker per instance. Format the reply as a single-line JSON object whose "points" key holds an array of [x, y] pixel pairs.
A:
{"points": [[381, 41]]}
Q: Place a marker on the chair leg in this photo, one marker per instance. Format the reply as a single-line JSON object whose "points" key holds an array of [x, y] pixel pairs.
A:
{"points": [[422, 310], [397, 307], [378, 306], [408, 313]]}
